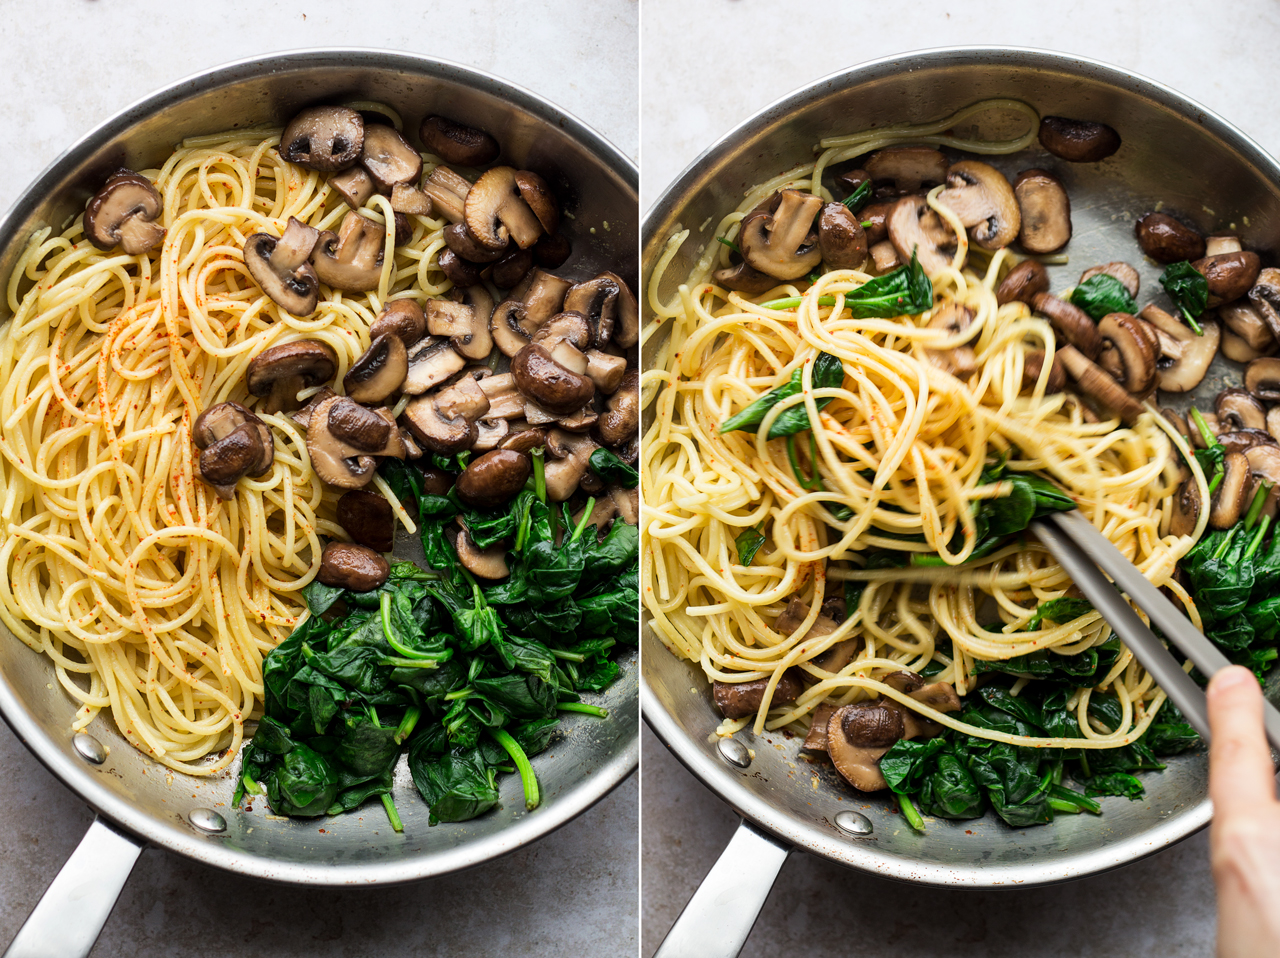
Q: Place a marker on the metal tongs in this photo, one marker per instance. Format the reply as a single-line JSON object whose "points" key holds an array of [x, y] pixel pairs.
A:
{"points": [[1085, 554]]}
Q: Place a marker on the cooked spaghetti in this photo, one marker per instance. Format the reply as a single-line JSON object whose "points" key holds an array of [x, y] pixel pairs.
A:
{"points": [[895, 461], [155, 598]]}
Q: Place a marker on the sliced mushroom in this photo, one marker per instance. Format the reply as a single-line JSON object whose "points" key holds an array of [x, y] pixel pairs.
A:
{"points": [[816, 740], [1166, 240], [568, 327], [462, 324], [884, 257], [605, 371], [530, 305], [841, 238], [1045, 209], [572, 456], [1023, 283], [744, 279], [379, 372], [1127, 353], [914, 227], [597, 301], [874, 219], [368, 518], [778, 237], [858, 736], [984, 201], [1262, 379], [1239, 351], [354, 567], [351, 260], [388, 158], [323, 138], [1186, 509], [626, 318], [1123, 273], [1184, 356], [510, 268], [496, 213], [124, 213], [851, 180], [281, 267], [1242, 440], [954, 319], [355, 186], [401, 318], [1078, 141], [1075, 325], [505, 400], [1243, 319], [281, 372], [1106, 395], [622, 418], [524, 439], [445, 435], [549, 383], [1238, 409], [333, 460], [363, 429], [1232, 496], [1264, 466], [489, 433], [1265, 297], [431, 362], [552, 251], [1211, 423], [939, 696], [303, 416], [535, 191], [494, 479], [1213, 245], [908, 168], [455, 143], [489, 563], [448, 192], [1229, 275], [239, 453], [1033, 365], [740, 699], [409, 199]]}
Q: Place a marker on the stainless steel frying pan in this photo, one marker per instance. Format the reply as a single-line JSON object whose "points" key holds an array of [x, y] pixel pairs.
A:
{"points": [[1174, 151], [138, 802]]}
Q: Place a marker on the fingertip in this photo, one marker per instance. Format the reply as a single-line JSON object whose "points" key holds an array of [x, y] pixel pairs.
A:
{"points": [[1231, 678]]}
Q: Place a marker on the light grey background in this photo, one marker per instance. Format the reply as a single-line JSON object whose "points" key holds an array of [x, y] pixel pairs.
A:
{"points": [[708, 66], [68, 65]]}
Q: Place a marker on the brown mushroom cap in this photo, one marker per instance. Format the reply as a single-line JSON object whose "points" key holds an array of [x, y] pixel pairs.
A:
{"points": [[552, 251], [333, 460], [984, 201], [379, 372], [744, 279], [1184, 356], [232, 457], [1166, 240], [1033, 365], [368, 518], [355, 185], [536, 192], [740, 699], [455, 143], [358, 426], [1238, 409], [1128, 353], [439, 433], [908, 168], [858, 735], [1262, 379], [496, 213], [217, 422], [1045, 209], [548, 383], [597, 301], [124, 213], [389, 160], [1123, 273], [1078, 141], [281, 371], [874, 219], [1242, 440], [493, 479], [431, 362], [1265, 297], [1108, 396], [448, 193], [350, 260], [1186, 509], [508, 270], [1071, 321], [1246, 321], [1229, 275], [572, 456], [354, 567], [1023, 282], [464, 326], [402, 318], [409, 199], [622, 419], [323, 138], [841, 237], [913, 227], [281, 268], [626, 318], [778, 237], [489, 563], [1232, 496]]}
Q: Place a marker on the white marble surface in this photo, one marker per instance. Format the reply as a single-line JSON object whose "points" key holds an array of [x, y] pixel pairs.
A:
{"points": [[707, 67], [70, 64]]}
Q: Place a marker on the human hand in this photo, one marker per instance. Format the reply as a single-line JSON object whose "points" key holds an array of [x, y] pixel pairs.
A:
{"points": [[1244, 839]]}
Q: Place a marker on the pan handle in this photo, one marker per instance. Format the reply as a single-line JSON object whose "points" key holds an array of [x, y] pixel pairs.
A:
{"points": [[69, 917], [720, 915]]}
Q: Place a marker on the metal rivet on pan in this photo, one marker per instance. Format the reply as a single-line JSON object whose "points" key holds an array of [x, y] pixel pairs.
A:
{"points": [[207, 820], [89, 748], [854, 823], [734, 752]]}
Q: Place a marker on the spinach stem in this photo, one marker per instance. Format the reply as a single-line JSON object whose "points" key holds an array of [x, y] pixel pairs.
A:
{"points": [[1216, 481], [731, 244], [1226, 543], [910, 814], [791, 302], [584, 708], [250, 785], [1191, 321], [407, 724], [416, 662], [389, 804], [373, 716], [530, 781], [1255, 507], [539, 475], [1263, 526], [1205, 432], [582, 523], [458, 694], [1066, 808], [568, 656]]}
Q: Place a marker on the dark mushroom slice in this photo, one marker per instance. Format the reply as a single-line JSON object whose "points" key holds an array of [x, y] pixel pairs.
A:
{"points": [[494, 479], [455, 143], [489, 563], [908, 168], [913, 227], [389, 160], [231, 458], [569, 327], [626, 317], [1184, 356], [627, 502], [354, 567], [605, 370], [552, 251], [1075, 325], [125, 213], [939, 696], [448, 192], [1186, 509], [368, 518], [323, 138], [351, 260], [858, 736], [379, 372], [841, 237], [529, 306], [1244, 320], [1262, 379], [816, 740], [1265, 297], [1178, 422], [1127, 353], [303, 416], [954, 319], [1033, 365], [851, 180], [1242, 440], [778, 237], [524, 439], [496, 213], [1106, 395], [467, 248], [874, 219], [355, 186], [512, 267], [460, 272], [1123, 273], [984, 201], [431, 362], [622, 418], [535, 191], [1238, 409], [1023, 282], [445, 421], [218, 421], [744, 279], [1045, 209], [463, 325], [281, 267], [1078, 141], [1229, 275], [333, 460], [1264, 465], [280, 372], [1273, 422], [1166, 240], [884, 257], [401, 318], [359, 426], [597, 301], [548, 383], [571, 453], [1233, 494], [740, 699], [411, 200]]}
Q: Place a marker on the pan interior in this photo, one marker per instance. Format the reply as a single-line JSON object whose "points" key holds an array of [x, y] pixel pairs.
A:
{"points": [[597, 185], [1174, 153]]}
